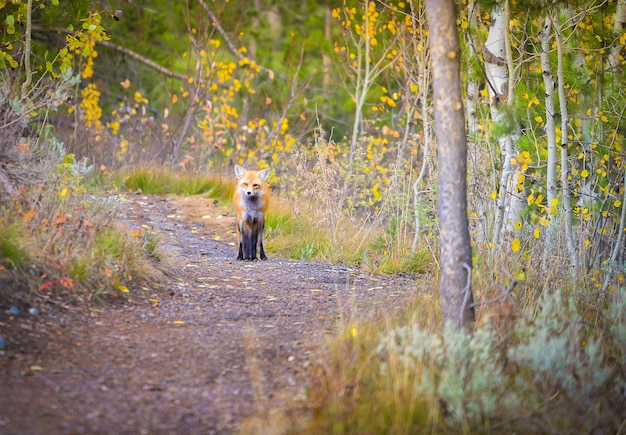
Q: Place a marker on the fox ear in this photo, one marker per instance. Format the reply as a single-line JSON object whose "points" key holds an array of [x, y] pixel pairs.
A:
{"points": [[264, 174], [239, 171]]}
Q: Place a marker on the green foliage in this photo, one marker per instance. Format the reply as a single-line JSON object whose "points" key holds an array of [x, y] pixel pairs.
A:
{"points": [[506, 123], [13, 253]]}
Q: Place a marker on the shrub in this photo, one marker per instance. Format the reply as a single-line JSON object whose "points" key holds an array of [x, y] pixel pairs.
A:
{"points": [[556, 372]]}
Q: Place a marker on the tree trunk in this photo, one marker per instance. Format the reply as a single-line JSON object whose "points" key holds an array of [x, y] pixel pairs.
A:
{"points": [[456, 254], [479, 162], [423, 84], [499, 70], [548, 84], [27, 51], [565, 188], [618, 27]]}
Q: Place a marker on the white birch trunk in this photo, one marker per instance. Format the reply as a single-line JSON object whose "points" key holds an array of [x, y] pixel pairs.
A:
{"points": [[549, 85], [499, 70], [478, 158], [565, 188], [473, 90], [618, 27], [423, 87]]}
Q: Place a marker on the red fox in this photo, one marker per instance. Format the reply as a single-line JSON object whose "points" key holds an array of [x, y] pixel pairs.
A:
{"points": [[251, 200]]}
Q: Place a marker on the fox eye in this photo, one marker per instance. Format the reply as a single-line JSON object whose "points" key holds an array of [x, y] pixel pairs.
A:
{"points": [[244, 184], [255, 185]]}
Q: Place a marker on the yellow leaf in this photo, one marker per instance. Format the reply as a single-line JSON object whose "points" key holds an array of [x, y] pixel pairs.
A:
{"points": [[156, 301], [63, 192], [353, 332], [553, 206], [178, 322], [617, 203], [36, 368], [538, 119], [517, 226], [537, 233], [584, 173], [122, 288], [515, 245]]}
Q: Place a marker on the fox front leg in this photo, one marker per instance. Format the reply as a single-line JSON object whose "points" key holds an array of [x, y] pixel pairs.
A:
{"points": [[260, 240], [240, 240]]}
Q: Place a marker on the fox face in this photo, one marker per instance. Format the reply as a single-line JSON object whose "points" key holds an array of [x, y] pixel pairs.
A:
{"points": [[251, 199]]}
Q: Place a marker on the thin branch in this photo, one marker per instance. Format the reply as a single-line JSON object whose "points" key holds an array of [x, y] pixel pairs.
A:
{"points": [[230, 44], [144, 60], [27, 50], [504, 294], [467, 292], [135, 56]]}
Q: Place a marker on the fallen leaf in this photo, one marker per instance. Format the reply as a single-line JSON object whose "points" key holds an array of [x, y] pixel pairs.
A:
{"points": [[29, 216], [122, 288]]}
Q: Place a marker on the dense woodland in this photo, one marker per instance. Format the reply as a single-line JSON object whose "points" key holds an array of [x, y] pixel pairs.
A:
{"points": [[337, 98]]}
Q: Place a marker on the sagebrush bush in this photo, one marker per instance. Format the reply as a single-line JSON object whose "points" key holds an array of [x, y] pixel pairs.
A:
{"points": [[554, 373], [462, 374]]}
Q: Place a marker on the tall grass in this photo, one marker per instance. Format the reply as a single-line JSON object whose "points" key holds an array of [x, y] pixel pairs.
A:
{"points": [[162, 181]]}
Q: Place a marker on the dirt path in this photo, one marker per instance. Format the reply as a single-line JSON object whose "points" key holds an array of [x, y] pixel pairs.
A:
{"points": [[232, 340]]}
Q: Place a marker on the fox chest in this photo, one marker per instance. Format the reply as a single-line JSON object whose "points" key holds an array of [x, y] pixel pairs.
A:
{"points": [[252, 207]]}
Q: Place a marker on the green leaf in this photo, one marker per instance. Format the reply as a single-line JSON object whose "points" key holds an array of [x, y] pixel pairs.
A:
{"points": [[10, 20], [506, 123]]}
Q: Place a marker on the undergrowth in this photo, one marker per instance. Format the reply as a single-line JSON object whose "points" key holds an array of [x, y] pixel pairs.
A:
{"points": [[554, 369], [60, 241]]}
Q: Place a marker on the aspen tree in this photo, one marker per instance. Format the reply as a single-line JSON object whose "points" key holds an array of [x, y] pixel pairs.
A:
{"points": [[456, 253]]}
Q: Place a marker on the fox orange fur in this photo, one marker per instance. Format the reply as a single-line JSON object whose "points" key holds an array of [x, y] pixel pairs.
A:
{"points": [[251, 199]]}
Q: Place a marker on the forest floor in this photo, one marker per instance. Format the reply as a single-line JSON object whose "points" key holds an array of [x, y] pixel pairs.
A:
{"points": [[227, 347]]}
